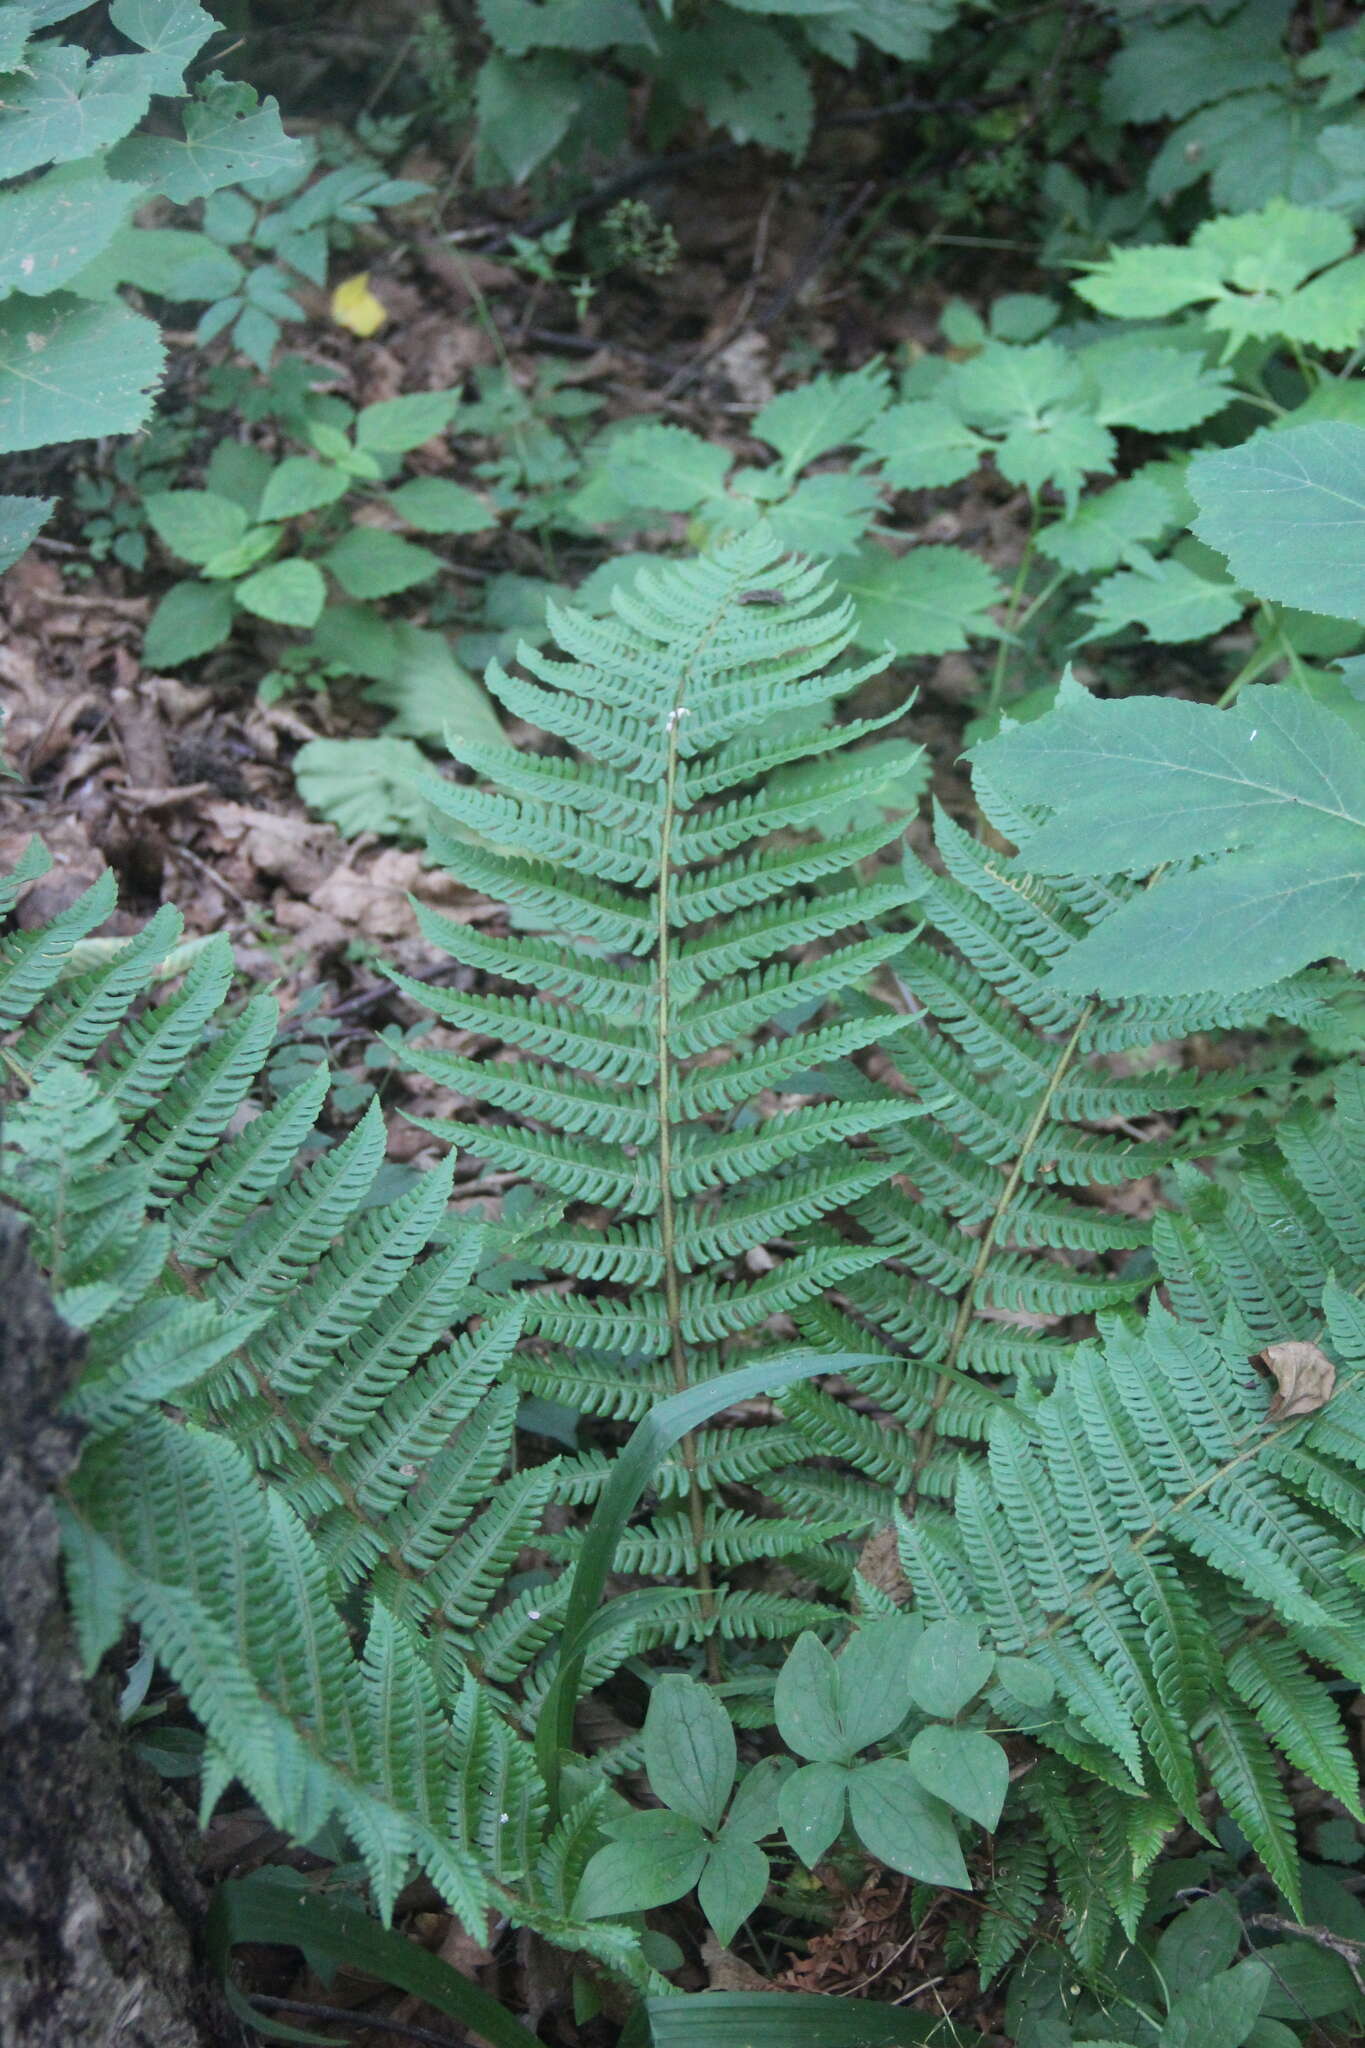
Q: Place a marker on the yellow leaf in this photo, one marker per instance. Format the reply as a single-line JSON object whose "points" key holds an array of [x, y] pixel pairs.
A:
{"points": [[355, 306]]}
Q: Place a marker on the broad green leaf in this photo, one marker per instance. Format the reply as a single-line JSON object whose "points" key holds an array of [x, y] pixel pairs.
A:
{"points": [[926, 602], [71, 371], [16, 26], [60, 106], [665, 468], [176, 263], [369, 562], [230, 138], [364, 785], [435, 505], [1254, 149], [1026, 1680], [948, 1666], [395, 425], [517, 26], [1109, 525], [924, 445], [1270, 794], [241, 558], [689, 1749], [524, 109], [1150, 281], [1158, 390], [1169, 68], [290, 593], [822, 414], [903, 1826], [191, 619], [810, 1804], [784, 2019], [732, 1885], [753, 1812], [1288, 511], [172, 32], [432, 696], [21, 520], [298, 484], [806, 1703], [827, 515], [1219, 2013], [1062, 448], [745, 77], [873, 1671], [659, 1858], [1168, 599], [1199, 1943], [196, 525], [51, 229], [965, 1768], [1004, 386]]}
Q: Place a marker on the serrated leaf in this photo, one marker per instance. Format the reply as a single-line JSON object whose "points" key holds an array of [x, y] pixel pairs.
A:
{"points": [[1168, 599], [1288, 511], [732, 1885], [1168, 69], [172, 32], [1061, 449], [926, 602], [948, 1667], [810, 1804], [435, 505], [964, 1768], [196, 525], [298, 484], [364, 785], [1108, 525], [71, 371], [745, 77], [290, 593], [369, 562], [50, 230], [1270, 794], [903, 1826], [806, 1703], [191, 619], [689, 1749], [1157, 390], [665, 468], [60, 106], [659, 1859], [1255, 148], [21, 520], [16, 26], [924, 445], [395, 425], [821, 415], [230, 138], [826, 516], [176, 263]]}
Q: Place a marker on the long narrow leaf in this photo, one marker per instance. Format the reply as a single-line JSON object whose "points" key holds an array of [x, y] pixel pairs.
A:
{"points": [[263, 1908], [650, 1443], [777, 2019]]}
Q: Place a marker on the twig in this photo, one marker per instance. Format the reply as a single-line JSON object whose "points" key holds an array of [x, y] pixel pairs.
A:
{"points": [[814, 262], [1352, 1953], [402, 2028], [178, 852]]}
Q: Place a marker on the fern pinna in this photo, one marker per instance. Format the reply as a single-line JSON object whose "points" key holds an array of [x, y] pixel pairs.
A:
{"points": [[292, 1480], [675, 984]]}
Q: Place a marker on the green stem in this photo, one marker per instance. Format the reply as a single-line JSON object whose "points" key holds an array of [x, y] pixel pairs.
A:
{"points": [[997, 689]]}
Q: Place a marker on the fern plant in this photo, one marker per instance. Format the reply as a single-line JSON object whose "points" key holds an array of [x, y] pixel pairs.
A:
{"points": [[293, 1480], [1182, 1559], [687, 958]]}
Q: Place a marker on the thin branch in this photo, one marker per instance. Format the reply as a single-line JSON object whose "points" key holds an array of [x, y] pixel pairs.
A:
{"points": [[401, 2029]]}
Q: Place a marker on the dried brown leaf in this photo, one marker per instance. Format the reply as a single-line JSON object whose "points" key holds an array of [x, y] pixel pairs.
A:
{"points": [[1305, 1379]]}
